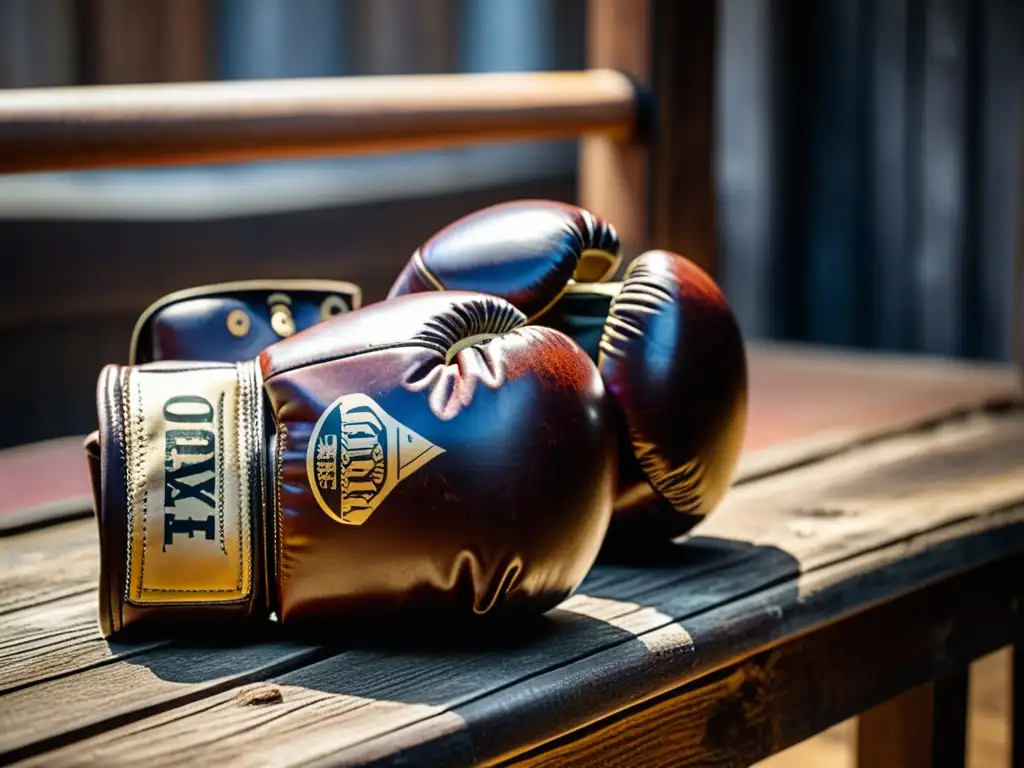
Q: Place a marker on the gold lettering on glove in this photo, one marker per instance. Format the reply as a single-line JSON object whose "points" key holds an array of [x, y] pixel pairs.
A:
{"points": [[357, 454]]}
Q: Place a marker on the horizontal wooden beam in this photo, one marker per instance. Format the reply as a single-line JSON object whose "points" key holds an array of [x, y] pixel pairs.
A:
{"points": [[172, 124]]}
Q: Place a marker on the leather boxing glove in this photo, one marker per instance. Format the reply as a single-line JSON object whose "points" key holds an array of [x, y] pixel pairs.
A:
{"points": [[526, 251], [427, 456], [665, 341], [231, 322], [672, 357]]}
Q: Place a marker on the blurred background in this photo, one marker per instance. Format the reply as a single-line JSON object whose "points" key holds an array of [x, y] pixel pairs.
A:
{"points": [[868, 169]]}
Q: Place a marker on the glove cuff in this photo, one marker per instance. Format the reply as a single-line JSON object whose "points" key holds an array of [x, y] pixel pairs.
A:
{"points": [[177, 469]]}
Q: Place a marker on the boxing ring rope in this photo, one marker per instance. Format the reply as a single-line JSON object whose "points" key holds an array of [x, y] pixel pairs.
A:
{"points": [[74, 128]]}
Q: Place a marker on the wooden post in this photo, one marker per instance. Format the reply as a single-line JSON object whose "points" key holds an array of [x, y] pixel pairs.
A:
{"points": [[925, 726], [614, 174], [1017, 295], [657, 188], [1017, 702]]}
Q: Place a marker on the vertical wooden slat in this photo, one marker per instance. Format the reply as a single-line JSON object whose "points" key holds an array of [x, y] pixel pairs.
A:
{"points": [[613, 175], [506, 37], [925, 726], [265, 39], [949, 720], [399, 37], [150, 42], [898, 732], [1001, 114], [1017, 291], [748, 114], [836, 265], [38, 45], [682, 142], [663, 197], [889, 146], [941, 237], [1017, 701], [568, 43]]}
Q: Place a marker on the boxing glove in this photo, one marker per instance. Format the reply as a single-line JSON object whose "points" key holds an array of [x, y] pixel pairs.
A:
{"points": [[672, 358], [665, 340], [526, 251], [232, 322], [425, 457]]}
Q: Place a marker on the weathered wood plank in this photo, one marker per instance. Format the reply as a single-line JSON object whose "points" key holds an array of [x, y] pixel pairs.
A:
{"points": [[101, 697], [41, 483], [48, 564], [552, 704], [54, 640], [20, 586], [780, 696], [809, 402], [331, 704], [136, 685], [841, 522]]}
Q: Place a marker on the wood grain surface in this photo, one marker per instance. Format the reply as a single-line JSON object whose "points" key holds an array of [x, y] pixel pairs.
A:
{"points": [[175, 124], [857, 538]]}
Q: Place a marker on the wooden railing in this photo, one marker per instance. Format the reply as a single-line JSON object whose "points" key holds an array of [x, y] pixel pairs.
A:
{"points": [[172, 124], [648, 169]]}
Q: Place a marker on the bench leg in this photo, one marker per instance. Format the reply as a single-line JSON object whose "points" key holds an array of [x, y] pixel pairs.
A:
{"points": [[1017, 704], [925, 726]]}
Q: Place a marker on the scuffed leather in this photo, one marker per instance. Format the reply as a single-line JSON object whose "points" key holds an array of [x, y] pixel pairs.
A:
{"points": [[525, 251], [672, 357]]}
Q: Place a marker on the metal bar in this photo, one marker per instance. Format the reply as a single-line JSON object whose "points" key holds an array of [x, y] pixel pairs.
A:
{"points": [[173, 124]]}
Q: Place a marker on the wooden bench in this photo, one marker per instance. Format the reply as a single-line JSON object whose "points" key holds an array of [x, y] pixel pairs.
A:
{"points": [[870, 551], [881, 551]]}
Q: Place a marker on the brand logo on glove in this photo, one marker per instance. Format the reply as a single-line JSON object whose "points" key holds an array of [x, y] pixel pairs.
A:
{"points": [[190, 478], [357, 455]]}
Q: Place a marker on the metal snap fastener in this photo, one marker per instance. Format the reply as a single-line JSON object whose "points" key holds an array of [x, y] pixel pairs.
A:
{"points": [[331, 306], [238, 322], [281, 320]]}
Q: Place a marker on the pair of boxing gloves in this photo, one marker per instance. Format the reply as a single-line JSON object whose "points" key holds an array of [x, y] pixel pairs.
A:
{"points": [[459, 451]]}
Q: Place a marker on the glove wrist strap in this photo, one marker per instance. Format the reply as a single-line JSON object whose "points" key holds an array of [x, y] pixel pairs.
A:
{"points": [[183, 481]]}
